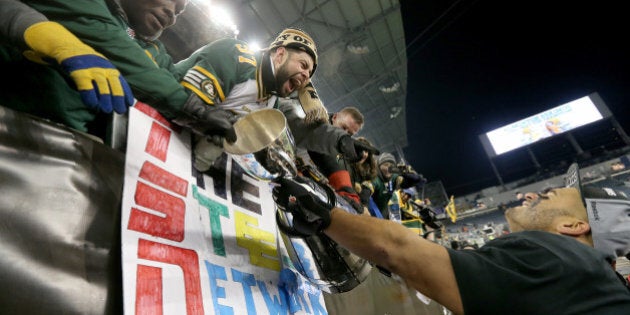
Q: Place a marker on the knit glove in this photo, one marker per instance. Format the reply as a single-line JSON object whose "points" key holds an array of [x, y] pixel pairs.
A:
{"points": [[99, 83]]}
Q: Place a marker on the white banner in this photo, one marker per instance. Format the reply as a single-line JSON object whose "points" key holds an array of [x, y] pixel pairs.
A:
{"points": [[199, 244]]}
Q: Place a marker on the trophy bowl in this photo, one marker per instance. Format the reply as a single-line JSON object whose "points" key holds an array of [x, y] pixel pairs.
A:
{"points": [[264, 147], [265, 150]]}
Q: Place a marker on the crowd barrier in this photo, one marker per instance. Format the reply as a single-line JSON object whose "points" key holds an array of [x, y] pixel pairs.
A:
{"points": [[87, 229]]}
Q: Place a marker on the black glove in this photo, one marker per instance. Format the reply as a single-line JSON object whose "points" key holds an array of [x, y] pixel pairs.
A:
{"points": [[411, 179], [365, 195], [298, 196], [352, 150], [207, 120]]}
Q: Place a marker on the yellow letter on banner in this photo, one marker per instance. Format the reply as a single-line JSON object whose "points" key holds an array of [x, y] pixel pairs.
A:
{"points": [[261, 244]]}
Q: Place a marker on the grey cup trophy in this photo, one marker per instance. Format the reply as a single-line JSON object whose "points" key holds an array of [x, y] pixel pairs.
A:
{"points": [[265, 150]]}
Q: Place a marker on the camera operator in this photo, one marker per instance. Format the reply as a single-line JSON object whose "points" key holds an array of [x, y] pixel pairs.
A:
{"points": [[427, 215], [404, 208], [390, 178], [430, 223]]}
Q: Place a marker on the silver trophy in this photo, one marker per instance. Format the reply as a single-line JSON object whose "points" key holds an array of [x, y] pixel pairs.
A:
{"points": [[265, 150]]}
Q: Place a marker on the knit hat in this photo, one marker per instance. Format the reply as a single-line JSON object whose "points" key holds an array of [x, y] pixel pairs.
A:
{"points": [[296, 38], [608, 212], [386, 157]]}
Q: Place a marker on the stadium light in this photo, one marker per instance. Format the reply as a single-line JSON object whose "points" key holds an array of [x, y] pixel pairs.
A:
{"points": [[222, 17]]}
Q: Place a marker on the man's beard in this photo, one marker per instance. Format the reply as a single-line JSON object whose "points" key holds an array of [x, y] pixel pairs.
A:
{"points": [[282, 76]]}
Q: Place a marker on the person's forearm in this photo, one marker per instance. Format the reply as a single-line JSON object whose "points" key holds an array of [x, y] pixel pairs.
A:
{"points": [[423, 264], [381, 245]]}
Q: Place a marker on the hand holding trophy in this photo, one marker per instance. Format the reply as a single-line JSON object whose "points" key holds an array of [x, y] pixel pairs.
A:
{"points": [[265, 150]]}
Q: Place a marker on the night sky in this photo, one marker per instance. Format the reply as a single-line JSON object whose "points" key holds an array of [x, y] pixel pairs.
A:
{"points": [[474, 66]]}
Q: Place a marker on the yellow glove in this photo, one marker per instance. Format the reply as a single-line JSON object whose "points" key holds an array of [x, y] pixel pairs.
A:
{"points": [[100, 84]]}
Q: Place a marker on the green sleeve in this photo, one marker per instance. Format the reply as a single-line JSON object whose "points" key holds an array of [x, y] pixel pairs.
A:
{"points": [[94, 23], [224, 63], [378, 195], [15, 18]]}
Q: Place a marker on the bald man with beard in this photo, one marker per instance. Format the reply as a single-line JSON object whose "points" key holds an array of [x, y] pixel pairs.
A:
{"points": [[557, 260]]}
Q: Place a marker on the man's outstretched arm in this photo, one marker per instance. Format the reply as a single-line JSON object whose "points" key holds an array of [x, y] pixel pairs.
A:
{"points": [[426, 266]]}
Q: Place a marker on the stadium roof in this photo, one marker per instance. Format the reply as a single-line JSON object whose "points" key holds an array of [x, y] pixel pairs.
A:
{"points": [[361, 48]]}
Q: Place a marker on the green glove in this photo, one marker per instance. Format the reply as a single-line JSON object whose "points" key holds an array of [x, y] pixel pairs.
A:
{"points": [[100, 84]]}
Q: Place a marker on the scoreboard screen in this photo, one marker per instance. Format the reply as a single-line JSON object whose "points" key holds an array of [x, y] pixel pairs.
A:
{"points": [[546, 124]]}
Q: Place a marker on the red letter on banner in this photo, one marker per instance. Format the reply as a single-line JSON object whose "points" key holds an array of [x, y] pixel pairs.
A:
{"points": [[157, 144], [184, 258], [151, 112], [163, 178], [169, 227], [149, 291]]}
